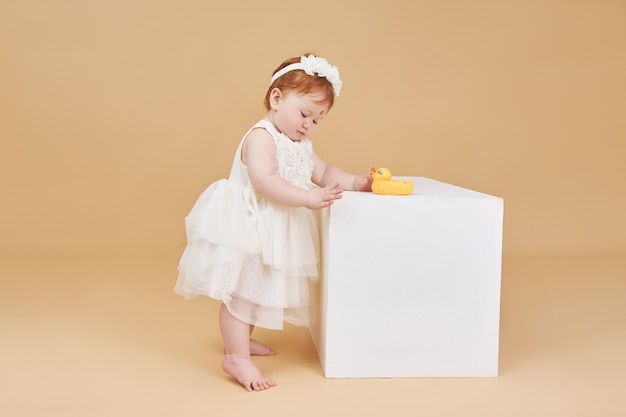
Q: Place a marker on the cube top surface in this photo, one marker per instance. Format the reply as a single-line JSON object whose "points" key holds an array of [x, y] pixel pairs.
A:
{"points": [[429, 187]]}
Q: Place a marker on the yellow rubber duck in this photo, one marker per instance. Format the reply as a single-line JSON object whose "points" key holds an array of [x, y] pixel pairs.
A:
{"points": [[383, 184]]}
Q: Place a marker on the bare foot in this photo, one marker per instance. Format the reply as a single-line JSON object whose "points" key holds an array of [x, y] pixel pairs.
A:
{"points": [[259, 349], [248, 375]]}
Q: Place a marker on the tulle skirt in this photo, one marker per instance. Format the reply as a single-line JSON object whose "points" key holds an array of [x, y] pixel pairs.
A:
{"points": [[258, 258]]}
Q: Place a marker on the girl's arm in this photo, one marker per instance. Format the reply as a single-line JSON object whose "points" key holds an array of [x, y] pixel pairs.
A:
{"points": [[259, 155], [325, 174]]}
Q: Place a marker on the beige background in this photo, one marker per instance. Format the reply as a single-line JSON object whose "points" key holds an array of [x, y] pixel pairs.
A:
{"points": [[115, 115]]}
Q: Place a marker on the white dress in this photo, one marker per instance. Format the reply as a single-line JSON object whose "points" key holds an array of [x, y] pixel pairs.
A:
{"points": [[256, 256]]}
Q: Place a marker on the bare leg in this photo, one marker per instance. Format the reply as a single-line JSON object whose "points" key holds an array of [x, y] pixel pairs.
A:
{"points": [[237, 363], [259, 349]]}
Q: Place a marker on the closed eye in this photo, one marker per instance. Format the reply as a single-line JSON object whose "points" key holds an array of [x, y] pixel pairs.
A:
{"points": [[315, 121]]}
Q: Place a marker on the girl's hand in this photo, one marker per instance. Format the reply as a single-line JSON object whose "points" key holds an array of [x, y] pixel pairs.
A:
{"points": [[318, 198], [363, 183]]}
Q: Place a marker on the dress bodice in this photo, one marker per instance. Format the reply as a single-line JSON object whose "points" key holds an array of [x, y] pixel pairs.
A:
{"points": [[294, 160]]}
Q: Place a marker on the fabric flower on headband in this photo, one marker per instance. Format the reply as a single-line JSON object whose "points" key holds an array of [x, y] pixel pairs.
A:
{"points": [[315, 65], [312, 65]]}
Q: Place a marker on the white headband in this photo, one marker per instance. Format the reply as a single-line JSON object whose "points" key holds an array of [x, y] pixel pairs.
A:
{"points": [[313, 65]]}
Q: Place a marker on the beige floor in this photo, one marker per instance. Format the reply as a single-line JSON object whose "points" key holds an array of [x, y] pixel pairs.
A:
{"points": [[87, 336]]}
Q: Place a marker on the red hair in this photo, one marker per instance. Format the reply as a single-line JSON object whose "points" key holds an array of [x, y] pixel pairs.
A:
{"points": [[300, 82]]}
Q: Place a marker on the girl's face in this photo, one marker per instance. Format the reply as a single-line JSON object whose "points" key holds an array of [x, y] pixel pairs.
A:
{"points": [[296, 115]]}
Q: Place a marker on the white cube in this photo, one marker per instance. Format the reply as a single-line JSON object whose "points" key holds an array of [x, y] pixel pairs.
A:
{"points": [[410, 284]]}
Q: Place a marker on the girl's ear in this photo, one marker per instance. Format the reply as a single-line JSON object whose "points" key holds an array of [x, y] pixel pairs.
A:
{"points": [[275, 96]]}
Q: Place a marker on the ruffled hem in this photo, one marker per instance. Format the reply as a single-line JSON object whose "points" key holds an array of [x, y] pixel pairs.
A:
{"points": [[255, 293]]}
